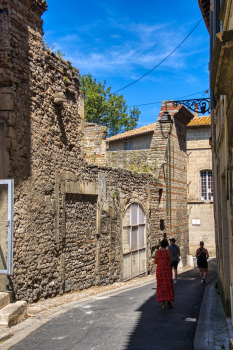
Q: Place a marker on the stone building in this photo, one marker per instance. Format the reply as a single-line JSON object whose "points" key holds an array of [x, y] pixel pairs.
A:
{"points": [[200, 185], [158, 149], [218, 17]]}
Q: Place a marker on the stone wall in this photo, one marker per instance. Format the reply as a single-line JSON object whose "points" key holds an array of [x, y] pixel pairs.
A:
{"points": [[133, 160], [75, 238], [42, 123], [94, 143], [68, 213]]}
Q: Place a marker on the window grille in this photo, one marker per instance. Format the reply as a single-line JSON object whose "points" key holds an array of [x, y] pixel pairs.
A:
{"points": [[206, 185]]}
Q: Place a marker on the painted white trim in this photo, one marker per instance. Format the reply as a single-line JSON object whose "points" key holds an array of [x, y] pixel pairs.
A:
{"points": [[10, 184]]}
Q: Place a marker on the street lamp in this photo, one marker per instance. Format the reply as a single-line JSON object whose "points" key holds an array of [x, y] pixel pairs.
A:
{"points": [[165, 118]]}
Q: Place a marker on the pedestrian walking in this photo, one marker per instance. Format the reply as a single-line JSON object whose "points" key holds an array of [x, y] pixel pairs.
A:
{"points": [[202, 256], [175, 250], [165, 289]]}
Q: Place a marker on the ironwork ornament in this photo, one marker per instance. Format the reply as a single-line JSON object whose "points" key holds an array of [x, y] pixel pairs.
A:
{"points": [[199, 105]]}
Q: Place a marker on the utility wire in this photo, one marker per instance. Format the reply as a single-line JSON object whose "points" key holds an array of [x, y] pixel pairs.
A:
{"points": [[177, 98], [135, 81]]}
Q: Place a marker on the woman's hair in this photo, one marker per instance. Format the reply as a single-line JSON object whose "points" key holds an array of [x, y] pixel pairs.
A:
{"points": [[202, 244], [164, 243]]}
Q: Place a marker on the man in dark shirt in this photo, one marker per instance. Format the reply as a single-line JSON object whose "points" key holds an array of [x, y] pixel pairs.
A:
{"points": [[175, 256]]}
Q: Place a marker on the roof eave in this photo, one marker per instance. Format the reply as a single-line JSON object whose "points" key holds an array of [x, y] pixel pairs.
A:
{"points": [[205, 10], [130, 136]]}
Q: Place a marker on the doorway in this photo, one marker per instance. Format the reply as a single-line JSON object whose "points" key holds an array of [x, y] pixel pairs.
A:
{"points": [[134, 241]]}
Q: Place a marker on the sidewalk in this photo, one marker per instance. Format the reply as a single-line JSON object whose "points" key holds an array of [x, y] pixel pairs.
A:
{"points": [[212, 331]]}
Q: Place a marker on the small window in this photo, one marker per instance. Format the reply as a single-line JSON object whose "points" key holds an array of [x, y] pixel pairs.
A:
{"points": [[160, 194], [162, 226], [127, 146], [206, 185]]}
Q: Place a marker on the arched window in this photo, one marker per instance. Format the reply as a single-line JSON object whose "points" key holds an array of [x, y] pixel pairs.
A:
{"points": [[206, 185], [134, 241]]}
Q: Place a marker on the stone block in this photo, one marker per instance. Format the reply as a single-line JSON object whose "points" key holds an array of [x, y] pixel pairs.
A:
{"points": [[13, 313], [68, 175], [5, 299], [59, 98], [4, 334], [6, 102], [5, 90]]}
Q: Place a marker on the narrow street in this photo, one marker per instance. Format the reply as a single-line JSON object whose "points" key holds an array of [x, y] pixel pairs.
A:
{"points": [[127, 320]]}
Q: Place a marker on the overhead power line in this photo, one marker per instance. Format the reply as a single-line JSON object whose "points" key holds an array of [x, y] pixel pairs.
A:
{"points": [[177, 98], [135, 81]]}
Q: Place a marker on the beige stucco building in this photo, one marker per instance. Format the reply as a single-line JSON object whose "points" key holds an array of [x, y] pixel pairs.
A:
{"points": [[218, 17], [200, 185]]}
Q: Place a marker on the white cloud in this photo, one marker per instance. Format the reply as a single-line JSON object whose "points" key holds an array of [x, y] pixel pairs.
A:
{"points": [[141, 47]]}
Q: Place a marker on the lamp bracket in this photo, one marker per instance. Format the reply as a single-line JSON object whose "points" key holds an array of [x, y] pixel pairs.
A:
{"points": [[198, 105]]}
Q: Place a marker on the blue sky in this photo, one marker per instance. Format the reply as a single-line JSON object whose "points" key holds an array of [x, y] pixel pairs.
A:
{"points": [[118, 41]]}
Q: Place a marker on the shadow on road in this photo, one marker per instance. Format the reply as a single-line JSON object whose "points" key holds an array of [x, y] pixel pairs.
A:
{"points": [[168, 329]]}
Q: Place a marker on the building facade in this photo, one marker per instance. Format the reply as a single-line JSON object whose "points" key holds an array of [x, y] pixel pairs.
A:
{"points": [[160, 149], [218, 17], [200, 185]]}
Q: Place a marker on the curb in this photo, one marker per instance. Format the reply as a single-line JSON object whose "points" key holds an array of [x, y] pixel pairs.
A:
{"points": [[6, 335], [212, 330]]}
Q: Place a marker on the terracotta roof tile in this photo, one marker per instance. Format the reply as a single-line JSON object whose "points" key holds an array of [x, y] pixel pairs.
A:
{"points": [[199, 121], [143, 130]]}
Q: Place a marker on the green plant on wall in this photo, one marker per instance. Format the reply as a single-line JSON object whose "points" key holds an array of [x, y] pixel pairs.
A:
{"points": [[155, 165], [66, 81], [60, 53], [117, 193], [93, 157], [46, 43], [145, 168]]}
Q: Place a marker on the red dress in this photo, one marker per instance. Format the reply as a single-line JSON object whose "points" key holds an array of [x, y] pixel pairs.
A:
{"points": [[165, 289]]}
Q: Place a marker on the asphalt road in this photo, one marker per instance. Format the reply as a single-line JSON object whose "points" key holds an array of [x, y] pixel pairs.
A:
{"points": [[129, 320]]}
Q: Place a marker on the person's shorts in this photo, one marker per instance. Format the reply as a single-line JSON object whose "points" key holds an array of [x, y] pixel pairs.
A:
{"points": [[175, 264], [203, 264]]}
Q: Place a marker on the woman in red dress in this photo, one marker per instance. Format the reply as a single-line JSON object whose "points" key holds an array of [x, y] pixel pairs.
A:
{"points": [[165, 289]]}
